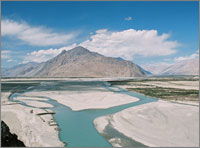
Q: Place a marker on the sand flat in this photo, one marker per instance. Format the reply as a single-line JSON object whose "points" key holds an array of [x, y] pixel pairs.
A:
{"points": [[86, 100], [161, 123], [33, 101]]}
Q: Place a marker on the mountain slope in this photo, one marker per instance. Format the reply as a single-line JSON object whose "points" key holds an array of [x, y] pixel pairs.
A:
{"points": [[187, 67], [156, 68], [80, 62], [19, 70], [145, 71]]}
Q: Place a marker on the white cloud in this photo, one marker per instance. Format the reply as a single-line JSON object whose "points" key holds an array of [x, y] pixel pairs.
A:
{"points": [[10, 60], [128, 18], [44, 55], [5, 54], [183, 58], [8, 56], [128, 43], [5, 51], [101, 31], [125, 44], [38, 36]]}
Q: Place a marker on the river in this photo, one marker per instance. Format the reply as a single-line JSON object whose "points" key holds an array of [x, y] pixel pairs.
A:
{"points": [[76, 127]]}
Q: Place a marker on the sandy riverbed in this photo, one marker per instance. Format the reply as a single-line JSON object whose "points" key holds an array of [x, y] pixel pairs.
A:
{"points": [[33, 101], [155, 124], [161, 123], [32, 129], [35, 130], [86, 100]]}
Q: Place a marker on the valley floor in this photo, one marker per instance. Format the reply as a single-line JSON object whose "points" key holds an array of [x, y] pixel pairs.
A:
{"points": [[179, 89], [174, 122], [34, 123], [160, 123]]}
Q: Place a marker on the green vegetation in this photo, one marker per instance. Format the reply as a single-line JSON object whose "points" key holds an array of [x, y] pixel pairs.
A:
{"points": [[168, 93], [6, 86], [163, 79], [150, 89]]}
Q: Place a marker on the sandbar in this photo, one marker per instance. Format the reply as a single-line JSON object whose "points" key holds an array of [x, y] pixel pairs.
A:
{"points": [[156, 124]]}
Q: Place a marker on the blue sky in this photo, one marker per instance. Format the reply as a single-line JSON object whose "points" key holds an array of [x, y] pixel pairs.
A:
{"points": [[143, 32]]}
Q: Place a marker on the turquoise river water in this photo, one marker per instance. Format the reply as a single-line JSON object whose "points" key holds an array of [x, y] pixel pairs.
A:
{"points": [[76, 127]]}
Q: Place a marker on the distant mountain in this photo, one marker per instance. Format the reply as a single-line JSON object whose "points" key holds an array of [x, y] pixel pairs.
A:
{"points": [[145, 71], [19, 70], [187, 67], [79, 62], [119, 58], [157, 68]]}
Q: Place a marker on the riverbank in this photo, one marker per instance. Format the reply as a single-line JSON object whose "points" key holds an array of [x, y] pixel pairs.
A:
{"points": [[156, 124], [33, 129], [81, 100], [177, 89]]}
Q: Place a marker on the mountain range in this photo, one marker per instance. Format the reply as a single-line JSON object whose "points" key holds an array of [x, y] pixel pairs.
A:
{"points": [[186, 67], [77, 62], [80, 62]]}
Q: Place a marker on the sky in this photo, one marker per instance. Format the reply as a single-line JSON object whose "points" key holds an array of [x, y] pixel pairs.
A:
{"points": [[146, 33]]}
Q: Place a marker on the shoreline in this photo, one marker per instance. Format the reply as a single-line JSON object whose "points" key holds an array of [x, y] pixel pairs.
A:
{"points": [[33, 129], [191, 103], [79, 101], [12, 112], [156, 118], [93, 98]]}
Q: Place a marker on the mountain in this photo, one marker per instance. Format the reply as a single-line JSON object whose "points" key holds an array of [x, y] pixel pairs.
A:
{"points": [[80, 62], [187, 67], [156, 68], [145, 71], [19, 70], [119, 58]]}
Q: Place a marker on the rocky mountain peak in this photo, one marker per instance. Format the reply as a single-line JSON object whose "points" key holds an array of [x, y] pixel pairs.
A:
{"points": [[75, 52], [80, 62], [80, 49], [63, 52]]}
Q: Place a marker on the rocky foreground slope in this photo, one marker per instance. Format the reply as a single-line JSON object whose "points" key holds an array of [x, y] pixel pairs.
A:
{"points": [[8, 139]]}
